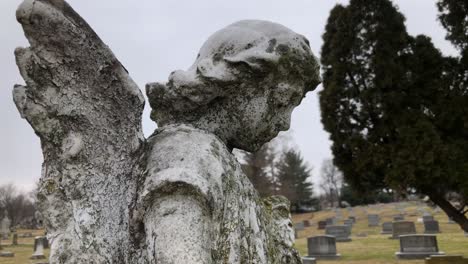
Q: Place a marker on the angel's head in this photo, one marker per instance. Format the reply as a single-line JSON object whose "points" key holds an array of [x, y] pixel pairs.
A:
{"points": [[243, 86]]}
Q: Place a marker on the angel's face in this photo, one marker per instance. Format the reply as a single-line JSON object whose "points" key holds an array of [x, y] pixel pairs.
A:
{"points": [[265, 115]]}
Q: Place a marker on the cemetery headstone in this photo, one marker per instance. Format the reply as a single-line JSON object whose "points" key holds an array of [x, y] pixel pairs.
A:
{"points": [[428, 218], [431, 227], [387, 228], [446, 260], [402, 228], [44, 241], [340, 232], [306, 223], [418, 247], [7, 254], [352, 218], [322, 247], [38, 248], [299, 226], [5, 227], [321, 225], [450, 221], [330, 221], [373, 220], [348, 222], [399, 217], [14, 241], [309, 260]]}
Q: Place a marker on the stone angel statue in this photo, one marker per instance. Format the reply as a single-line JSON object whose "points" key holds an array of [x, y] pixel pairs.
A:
{"points": [[107, 194]]}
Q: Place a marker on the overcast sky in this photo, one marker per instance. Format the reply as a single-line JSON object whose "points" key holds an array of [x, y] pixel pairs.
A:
{"points": [[152, 38]]}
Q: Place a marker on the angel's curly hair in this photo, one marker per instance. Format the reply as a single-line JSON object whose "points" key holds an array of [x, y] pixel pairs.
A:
{"points": [[242, 53]]}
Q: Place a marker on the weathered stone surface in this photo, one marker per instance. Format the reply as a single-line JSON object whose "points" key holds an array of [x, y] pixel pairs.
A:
{"points": [[86, 110], [402, 228], [322, 247], [418, 247], [108, 195]]}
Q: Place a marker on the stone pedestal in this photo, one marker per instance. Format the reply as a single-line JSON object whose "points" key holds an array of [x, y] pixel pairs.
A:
{"points": [[308, 260]]}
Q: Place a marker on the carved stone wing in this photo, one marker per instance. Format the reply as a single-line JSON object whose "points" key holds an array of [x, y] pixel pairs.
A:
{"points": [[86, 110]]}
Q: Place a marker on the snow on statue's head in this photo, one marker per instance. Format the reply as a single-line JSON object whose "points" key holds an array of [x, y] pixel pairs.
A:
{"points": [[243, 86]]}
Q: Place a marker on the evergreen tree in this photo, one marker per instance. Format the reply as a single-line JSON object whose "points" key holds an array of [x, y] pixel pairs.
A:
{"points": [[361, 59], [292, 176], [257, 166], [394, 106]]}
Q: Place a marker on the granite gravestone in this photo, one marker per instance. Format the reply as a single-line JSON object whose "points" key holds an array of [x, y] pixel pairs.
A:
{"points": [[348, 222], [299, 226], [38, 248], [431, 227], [309, 260], [427, 218], [41, 239], [321, 225], [306, 223], [14, 241], [387, 228], [446, 260], [402, 228], [352, 218], [330, 221], [373, 220], [322, 247], [340, 232], [418, 247], [5, 227], [398, 217]]}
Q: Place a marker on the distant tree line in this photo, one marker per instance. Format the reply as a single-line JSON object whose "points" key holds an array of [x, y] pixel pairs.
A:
{"points": [[281, 173], [396, 108], [286, 173], [19, 206]]}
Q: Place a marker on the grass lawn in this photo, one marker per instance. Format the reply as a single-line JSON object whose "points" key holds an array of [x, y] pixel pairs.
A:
{"points": [[24, 250], [377, 248], [373, 249]]}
